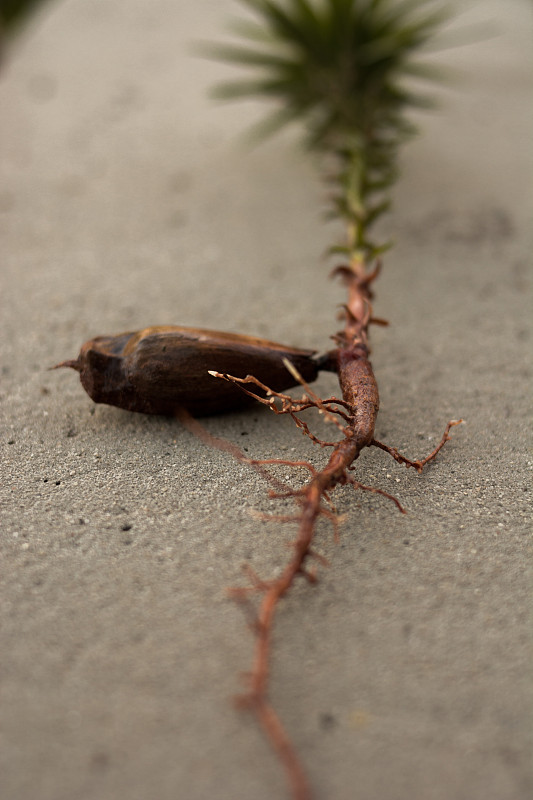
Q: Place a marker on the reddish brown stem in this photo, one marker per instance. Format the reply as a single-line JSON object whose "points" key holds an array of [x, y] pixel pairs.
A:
{"points": [[360, 403], [360, 397]]}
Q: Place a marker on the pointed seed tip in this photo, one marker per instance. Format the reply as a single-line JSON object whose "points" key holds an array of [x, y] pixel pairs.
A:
{"points": [[72, 363]]}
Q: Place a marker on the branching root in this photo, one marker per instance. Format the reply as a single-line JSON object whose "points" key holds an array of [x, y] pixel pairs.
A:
{"points": [[418, 465], [356, 425], [375, 490]]}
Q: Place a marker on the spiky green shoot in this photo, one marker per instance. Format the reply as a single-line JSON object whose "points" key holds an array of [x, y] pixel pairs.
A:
{"points": [[343, 68]]}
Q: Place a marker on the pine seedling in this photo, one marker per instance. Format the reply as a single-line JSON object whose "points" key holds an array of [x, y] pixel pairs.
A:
{"points": [[343, 70]]}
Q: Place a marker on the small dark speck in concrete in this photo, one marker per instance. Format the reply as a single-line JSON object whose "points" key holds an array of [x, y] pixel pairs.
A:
{"points": [[327, 721]]}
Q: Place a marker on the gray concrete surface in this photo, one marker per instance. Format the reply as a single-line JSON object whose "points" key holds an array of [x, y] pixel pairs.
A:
{"points": [[126, 200]]}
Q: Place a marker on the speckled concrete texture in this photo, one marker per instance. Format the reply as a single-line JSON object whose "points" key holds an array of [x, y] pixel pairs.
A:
{"points": [[126, 199]]}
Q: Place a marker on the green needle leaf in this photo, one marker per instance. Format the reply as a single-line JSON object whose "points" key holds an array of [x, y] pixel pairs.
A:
{"points": [[345, 70]]}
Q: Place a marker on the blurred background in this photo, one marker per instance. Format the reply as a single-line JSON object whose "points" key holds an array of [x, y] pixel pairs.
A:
{"points": [[127, 199]]}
